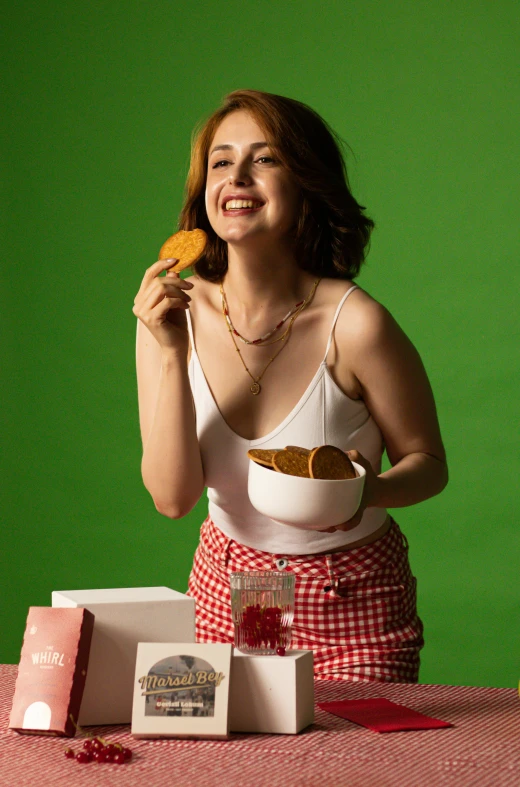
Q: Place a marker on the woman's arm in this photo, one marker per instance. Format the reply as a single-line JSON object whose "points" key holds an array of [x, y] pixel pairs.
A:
{"points": [[171, 464], [394, 385]]}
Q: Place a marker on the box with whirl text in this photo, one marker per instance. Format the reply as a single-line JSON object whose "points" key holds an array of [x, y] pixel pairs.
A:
{"points": [[52, 671]]}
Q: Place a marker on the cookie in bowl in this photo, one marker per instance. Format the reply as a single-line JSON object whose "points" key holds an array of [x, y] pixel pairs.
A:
{"points": [[299, 493]]}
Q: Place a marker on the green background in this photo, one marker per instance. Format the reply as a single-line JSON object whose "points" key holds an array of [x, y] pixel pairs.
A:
{"points": [[99, 104]]}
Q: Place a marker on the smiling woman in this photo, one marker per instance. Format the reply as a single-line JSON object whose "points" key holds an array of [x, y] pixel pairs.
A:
{"points": [[331, 230], [270, 344], [248, 191]]}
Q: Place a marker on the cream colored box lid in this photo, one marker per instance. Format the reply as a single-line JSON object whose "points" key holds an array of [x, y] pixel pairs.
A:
{"points": [[123, 595]]}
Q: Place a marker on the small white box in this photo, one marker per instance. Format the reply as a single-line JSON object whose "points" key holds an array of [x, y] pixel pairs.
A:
{"points": [[273, 694], [124, 617], [181, 690]]}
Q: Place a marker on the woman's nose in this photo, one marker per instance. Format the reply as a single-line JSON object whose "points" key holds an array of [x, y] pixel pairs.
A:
{"points": [[241, 175]]}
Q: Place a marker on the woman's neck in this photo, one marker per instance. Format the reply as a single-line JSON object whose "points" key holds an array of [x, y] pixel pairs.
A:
{"points": [[261, 284]]}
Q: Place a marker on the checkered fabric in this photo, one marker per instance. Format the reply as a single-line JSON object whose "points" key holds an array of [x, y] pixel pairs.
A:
{"points": [[481, 750], [355, 609]]}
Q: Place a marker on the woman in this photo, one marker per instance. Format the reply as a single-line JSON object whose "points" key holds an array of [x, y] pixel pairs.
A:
{"points": [[271, 344]]}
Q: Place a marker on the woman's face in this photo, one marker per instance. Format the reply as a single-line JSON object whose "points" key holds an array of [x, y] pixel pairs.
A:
{"points": [[249, 195]]}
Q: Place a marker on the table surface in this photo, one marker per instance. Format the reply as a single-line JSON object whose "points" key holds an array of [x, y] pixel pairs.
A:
{"points": [[481, 750]]}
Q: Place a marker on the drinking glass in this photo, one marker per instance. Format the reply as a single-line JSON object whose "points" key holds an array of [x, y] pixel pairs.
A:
{"points": [[262, 607]]}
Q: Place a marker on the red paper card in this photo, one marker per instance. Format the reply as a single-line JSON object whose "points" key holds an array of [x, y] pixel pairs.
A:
{"points": [[382, 715]]}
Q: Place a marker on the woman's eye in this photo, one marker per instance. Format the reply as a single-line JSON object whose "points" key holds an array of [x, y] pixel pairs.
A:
{"points": [[265, 160], [219, 164]]}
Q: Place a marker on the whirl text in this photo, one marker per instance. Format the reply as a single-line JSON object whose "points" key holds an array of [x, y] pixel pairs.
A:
{"points": [[48, 657]]}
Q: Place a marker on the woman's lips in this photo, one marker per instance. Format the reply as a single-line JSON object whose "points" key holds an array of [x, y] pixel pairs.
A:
{"points": [[240, 211], [239, 207]]}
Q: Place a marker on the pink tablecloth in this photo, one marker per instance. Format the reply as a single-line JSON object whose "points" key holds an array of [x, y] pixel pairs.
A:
{"points": [[482, 750]]}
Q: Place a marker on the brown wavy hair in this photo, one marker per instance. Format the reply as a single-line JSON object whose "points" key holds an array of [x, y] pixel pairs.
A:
{"points": [[332, 232]]}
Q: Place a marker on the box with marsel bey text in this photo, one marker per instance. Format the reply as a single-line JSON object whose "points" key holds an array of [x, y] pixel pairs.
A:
{"points": [[181, 690]]}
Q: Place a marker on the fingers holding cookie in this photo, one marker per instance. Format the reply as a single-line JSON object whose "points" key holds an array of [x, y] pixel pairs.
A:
{"points": [[161, 302]]}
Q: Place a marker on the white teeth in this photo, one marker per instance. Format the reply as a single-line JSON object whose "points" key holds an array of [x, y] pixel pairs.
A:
{"points": [[236, 204]]}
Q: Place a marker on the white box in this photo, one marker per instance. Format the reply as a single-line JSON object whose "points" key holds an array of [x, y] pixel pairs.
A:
{"points": [[181, 690], [273, 694], [124, 617]]}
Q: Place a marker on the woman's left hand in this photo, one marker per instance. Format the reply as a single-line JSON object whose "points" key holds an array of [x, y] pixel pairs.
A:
{"points": [[369, 493]]}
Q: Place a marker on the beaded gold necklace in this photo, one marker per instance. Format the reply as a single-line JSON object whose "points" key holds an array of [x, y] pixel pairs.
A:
{"points": [[255, 388]]}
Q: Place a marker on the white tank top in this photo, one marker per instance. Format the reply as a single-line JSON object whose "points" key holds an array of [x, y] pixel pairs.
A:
{"points": [[323, 415]]}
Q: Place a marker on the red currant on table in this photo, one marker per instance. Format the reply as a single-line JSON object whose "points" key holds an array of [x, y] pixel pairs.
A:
{"points": [[98, 750]]}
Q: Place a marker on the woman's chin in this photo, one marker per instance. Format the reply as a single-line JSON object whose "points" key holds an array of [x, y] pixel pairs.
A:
{"points": [[243, 238]]}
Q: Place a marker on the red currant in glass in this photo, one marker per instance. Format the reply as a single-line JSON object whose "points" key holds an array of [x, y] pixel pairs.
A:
{"points": [[280, 651]]}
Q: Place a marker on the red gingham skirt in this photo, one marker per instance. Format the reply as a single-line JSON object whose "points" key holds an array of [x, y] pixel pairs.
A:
{"points": [[356, 610]]}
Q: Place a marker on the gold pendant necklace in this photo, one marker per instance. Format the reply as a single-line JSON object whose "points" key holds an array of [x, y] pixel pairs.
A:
{"points": [[256, 388]]}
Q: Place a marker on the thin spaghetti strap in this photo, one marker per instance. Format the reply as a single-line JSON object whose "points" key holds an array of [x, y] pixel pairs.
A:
{"points": [[190, 330], [340, 304]]}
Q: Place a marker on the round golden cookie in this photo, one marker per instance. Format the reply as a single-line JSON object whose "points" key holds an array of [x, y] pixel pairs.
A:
{"points": [[185, 246], [262, 456], [291, 463], [296, 449], [330, 463]]}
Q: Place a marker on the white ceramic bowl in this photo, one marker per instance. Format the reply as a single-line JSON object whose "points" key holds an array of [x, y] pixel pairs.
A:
{"points": [[307, 503]]}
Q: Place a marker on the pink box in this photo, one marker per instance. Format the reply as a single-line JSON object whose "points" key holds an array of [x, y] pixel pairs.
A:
{"points": [[52, 671]]}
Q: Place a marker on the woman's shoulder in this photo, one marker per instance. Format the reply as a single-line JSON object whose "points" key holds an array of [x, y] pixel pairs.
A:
{"points": [[362, 318], [359, 303], [204, 294]]}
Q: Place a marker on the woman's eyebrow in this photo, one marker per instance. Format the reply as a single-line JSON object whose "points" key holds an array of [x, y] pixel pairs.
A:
{"points": [[253, 146]]}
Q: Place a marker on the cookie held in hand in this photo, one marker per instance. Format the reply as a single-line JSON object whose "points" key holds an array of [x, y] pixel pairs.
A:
{"points": [[185, 246]]}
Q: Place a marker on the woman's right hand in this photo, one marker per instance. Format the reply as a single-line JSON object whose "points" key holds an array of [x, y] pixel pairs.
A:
{"points": [[161, 303]]}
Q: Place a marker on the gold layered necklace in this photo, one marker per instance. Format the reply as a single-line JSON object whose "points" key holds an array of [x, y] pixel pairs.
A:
{"points": [[255, 387]]}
